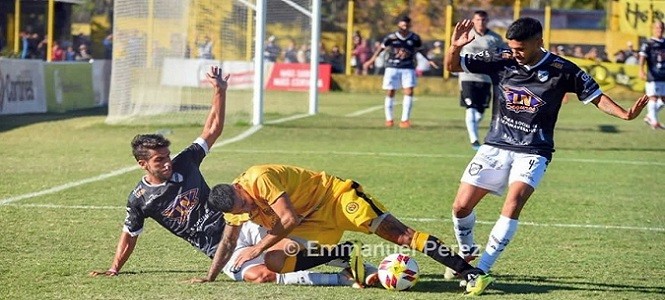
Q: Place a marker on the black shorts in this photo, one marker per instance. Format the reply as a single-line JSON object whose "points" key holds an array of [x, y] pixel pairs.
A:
{"points": [[475, 94]]}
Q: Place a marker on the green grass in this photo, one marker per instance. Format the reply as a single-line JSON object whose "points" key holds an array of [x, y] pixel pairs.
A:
{"points": [[606, 175]]}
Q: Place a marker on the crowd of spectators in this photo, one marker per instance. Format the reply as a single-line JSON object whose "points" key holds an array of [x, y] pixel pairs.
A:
{"points": [[627, 55], [32, 45]]}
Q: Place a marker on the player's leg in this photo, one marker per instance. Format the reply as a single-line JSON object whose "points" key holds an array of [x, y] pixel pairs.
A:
{"points": [[526, 173], [651, 118], [261, 274], [408, 79], [390, 84]]}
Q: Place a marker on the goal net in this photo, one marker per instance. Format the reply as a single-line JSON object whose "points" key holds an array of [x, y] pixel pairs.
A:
{"points": [[162, 50]]}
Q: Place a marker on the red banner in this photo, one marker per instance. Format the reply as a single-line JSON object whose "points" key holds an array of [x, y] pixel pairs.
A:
{"points": [[295, 77]]}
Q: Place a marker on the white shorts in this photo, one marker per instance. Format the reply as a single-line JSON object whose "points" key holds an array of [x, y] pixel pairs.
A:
{"points": [[250, 234], [394, 78], [494, 169], [654, 88]]}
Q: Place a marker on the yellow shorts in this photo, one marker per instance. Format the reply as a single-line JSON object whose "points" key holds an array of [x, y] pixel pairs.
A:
{"points": [[350, 209]]}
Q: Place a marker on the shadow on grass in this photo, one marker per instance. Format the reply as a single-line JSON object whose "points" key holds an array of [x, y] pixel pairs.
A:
{"points": [[9, 122], [528, 284]]}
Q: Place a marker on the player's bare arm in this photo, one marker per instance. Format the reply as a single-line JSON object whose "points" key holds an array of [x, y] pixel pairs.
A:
{"points": [[371, 60], [608, 106], [288, 220], [215, 121], [124, 249], [223, 253], [459, 39]]}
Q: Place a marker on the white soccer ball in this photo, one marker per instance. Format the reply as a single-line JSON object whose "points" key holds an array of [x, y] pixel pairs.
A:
{"points": [[398, 272]]}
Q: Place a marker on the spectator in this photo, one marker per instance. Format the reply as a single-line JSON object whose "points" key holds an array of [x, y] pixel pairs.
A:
{"points": [[336, 60], [70, 54], [41, 48], [57, 53], [302, 54], [380, 61], [83, 54], [272, 51], [205, 48], [362, 53], [577, 52], [25, 45], [108, 46], [291, 53], [620, 57]]}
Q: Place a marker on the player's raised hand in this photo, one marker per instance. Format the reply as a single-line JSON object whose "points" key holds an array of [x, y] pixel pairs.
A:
{"points": [[461, 33], [217, 79], [637, 107]]}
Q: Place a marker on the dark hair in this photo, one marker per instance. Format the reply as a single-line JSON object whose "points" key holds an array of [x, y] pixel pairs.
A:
{"points": [[222, 197], [142, 143], [523, 29], [404, 19], [481, 13]]}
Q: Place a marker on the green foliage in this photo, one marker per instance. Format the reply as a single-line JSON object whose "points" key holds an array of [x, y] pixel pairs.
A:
{"points": [[593, 229]]}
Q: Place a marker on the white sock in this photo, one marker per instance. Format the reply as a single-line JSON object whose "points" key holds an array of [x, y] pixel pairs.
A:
{"points": [[309, 278], [652, 111], [659, 104], [471, 124], [463, 228], [501, 234], [389, 102], [407, 104]]}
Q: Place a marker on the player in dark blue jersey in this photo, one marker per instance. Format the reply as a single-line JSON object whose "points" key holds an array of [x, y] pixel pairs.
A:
{"points": [[520, 143], [652, 56], [402, 46], [174, 193]]}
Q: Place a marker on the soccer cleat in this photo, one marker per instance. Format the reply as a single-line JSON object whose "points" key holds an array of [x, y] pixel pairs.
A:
{"points": [[356, 263], [405, 124], [477, 283], [475, 145], [371, 277], [390, 123], [468, 256], [654, 125]]}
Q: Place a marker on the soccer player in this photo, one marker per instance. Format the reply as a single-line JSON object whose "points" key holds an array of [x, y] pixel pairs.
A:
{"points": [[520, 142], [652, 56], [304, 210], [174, 193], [475, 89], [402, 45]]}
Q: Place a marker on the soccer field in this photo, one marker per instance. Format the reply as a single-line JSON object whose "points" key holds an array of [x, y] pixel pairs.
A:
{"points": [[595, 228]]}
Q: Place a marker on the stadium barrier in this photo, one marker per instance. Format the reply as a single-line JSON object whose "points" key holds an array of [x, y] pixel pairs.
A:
{"points": [[34, 86]]}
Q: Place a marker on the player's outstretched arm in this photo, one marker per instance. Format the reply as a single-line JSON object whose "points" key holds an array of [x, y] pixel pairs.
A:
{"points": [[607, 105], [371, 60], [459, 39], [124, 249], [223, 253], [215, 121]]}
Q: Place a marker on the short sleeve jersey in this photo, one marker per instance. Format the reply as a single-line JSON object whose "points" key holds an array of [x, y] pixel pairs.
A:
{"points": [[530, 97], [179, 205], [306, 189], [402, 50], [653, 51]]}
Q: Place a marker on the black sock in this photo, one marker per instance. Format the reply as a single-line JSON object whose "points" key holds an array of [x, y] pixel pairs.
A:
{"points": [[444, 255], [319, 256]]}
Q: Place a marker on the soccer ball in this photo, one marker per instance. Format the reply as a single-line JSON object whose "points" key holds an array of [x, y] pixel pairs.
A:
{"points": [[398, 272]]}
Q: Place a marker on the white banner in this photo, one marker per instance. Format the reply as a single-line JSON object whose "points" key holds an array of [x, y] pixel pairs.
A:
{"points": [[191, 72], [21, 86]]}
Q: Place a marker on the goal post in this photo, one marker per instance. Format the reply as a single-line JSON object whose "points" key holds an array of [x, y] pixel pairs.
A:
{"points": [[163, 48]]}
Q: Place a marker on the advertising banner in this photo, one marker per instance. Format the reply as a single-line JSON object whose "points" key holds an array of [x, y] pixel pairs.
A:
{"points": [[295, 77], [634, 15], [192, 72], [609, 75], [68, 86], [21, 87]]}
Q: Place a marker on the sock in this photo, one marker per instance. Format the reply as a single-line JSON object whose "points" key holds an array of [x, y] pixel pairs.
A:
{"points": [[471, 124], [309, 278], [389, 102], [500, 236], [659, 104], [407, 104], [463, 228], [651, 112], [434, 248], [304, 260]]}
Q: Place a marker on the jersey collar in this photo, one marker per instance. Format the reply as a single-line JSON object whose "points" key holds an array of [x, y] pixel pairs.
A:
{"points": [[399, 36], [542, 59]]}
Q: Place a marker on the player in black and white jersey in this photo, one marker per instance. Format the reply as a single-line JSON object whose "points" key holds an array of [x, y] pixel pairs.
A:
{"points": [[652, 56], [174, 193], [402, 46], [520, 142]]}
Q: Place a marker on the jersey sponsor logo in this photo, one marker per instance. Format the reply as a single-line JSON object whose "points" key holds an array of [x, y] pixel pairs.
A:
{"points": [[519, 99], [557, 63], [352, 207], [183, 205], [138, 192]]}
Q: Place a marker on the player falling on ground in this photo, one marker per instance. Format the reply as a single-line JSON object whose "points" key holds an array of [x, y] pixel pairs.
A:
{"points": [[520, 142]]}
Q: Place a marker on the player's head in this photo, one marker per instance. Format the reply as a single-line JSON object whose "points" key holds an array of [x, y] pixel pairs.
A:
{"points": [[404, 23], [226, 198], [657, 29], [525, 39], [480, 19], [152, 153]]}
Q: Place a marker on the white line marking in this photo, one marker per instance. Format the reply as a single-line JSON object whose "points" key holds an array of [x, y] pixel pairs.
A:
{"points": [[426, 155], [423, 220], [370, 109]]}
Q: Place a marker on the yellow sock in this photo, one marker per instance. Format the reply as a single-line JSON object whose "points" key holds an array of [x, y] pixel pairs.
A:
{"points": [[289, 265], [419, 241]]}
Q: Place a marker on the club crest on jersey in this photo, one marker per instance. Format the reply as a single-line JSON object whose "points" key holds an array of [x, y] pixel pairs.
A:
{"points": [[352, 207], [475, 168], [543, 75], [519, 99], [184, 203]]}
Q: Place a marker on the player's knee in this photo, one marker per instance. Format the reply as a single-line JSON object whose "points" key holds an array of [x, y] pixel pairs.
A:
{"points": [[259, 274], [461, 210]]}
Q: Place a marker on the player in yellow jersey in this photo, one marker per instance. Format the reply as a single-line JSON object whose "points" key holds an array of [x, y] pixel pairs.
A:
{"points": [[300, 207]]}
